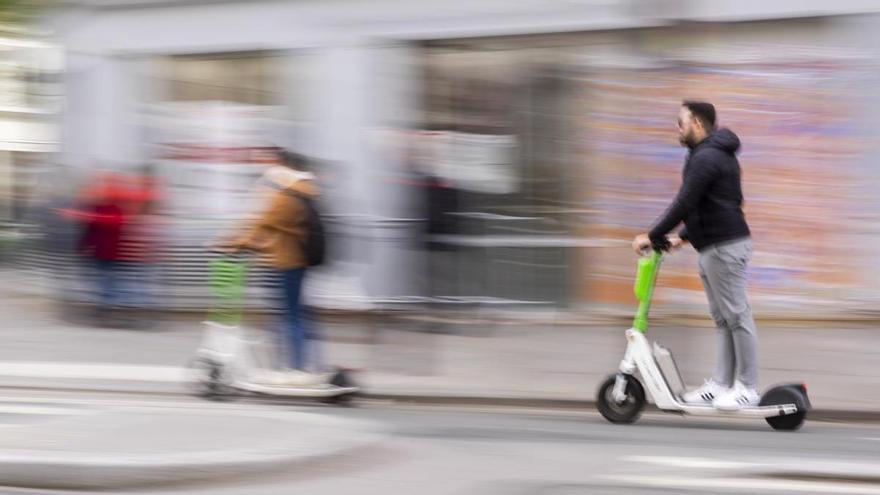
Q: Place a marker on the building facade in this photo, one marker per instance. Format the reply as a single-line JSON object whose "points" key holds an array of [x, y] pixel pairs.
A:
{"points": [[553, 121]]}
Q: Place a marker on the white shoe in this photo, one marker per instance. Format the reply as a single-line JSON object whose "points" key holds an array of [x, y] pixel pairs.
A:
{"points": [[268, 377], [705, 394], [737, 397], [296, 378]]}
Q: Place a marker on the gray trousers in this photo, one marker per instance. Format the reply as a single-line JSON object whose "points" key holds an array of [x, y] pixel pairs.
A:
{"points": [[723, 271]]}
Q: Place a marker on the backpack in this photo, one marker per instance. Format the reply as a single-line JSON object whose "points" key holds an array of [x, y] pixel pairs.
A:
{"points": [[314, 245]]}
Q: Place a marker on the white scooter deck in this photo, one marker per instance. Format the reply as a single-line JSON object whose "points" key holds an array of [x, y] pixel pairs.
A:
{"points": [[640, 357], [289, 391], [234, 349]]}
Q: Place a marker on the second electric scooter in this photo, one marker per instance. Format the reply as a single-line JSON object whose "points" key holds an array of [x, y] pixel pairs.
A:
{"points": [[234, 360]]}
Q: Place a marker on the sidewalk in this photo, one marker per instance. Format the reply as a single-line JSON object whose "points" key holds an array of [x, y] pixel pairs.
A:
{"points": [[96, 448], [568, 363], [471, 359]]}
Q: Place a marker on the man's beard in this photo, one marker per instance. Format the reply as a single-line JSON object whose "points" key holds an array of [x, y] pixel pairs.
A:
{"points": [[687, 140]]}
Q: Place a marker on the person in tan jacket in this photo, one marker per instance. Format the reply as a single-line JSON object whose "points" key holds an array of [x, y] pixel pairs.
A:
{"points": [[280, 233]]}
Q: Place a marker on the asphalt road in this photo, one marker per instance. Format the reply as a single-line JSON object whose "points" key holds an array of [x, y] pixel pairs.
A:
{"points": [[445, 450]]}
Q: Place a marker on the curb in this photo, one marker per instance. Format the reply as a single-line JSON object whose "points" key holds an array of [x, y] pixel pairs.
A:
{"points": [[72, 470], [823, 415]]}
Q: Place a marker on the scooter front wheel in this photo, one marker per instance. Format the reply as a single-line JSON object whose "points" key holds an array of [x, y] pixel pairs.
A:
{"points": [[621, 412], [207, 379]]}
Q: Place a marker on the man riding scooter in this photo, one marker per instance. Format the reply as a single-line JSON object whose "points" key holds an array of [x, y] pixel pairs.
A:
{"points": [[709, 203]]}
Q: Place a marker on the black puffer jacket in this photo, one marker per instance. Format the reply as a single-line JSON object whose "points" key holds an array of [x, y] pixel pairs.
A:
{"points": [[710, 199]]}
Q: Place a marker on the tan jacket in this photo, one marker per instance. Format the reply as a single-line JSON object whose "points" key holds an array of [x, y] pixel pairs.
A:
{"points": [[281, 230]]}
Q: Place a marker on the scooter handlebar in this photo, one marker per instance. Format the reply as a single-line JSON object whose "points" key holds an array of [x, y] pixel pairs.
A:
{"points": [[228, 251], [651, 251]]}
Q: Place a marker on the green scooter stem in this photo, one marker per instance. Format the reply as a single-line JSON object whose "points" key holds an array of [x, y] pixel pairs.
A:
{"points": [[649, 267], [228, 278]]}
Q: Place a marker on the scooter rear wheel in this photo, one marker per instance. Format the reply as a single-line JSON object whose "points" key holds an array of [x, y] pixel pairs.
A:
{"points": [[625, 412], [343, 379], [786, 395]]}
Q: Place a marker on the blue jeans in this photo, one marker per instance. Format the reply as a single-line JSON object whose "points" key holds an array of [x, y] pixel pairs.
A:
{"points": [[137, 278], [294, 312], [107, 279]]}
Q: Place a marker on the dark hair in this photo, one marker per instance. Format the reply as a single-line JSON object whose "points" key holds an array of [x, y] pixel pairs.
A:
{"points": [[702, 111], [292, 160]]}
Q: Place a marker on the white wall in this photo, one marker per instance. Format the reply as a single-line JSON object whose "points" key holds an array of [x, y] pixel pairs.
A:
{"points": [[138, 26], [738, 10], [296, 24], [99, 117]]}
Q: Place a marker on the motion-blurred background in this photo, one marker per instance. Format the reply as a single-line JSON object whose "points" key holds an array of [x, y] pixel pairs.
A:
{"points": [[477, 153], [484, 165]]}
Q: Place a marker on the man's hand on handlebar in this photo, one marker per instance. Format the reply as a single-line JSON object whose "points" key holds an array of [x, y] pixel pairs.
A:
{"points": [[642, 244], [223, 247]]}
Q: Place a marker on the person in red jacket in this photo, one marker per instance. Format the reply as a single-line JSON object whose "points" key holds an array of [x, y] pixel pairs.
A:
{"points": [[104, 221]]}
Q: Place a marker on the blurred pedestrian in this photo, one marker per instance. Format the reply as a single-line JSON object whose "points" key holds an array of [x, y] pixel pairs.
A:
{"points": [[103, 219], [437, 201]]}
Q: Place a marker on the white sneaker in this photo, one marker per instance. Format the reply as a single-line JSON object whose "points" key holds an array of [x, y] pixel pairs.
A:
{"points": [[705, 394], [737, 397], [267, 377]]}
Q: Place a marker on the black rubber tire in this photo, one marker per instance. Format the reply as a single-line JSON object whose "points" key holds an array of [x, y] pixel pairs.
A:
{"points": [[343, 400], [210, 383], [785, 395], [627, 412], [342, 378]]}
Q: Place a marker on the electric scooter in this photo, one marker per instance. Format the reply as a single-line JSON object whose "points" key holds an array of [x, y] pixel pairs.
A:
{"points": [[621, 397], [233, 360]]}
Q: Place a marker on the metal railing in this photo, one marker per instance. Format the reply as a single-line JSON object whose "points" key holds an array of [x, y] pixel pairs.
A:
{"points": [[502, 260]]}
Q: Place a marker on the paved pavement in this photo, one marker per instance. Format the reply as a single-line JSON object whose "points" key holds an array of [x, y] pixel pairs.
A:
{"points": [[494, 451], [92, 445]]}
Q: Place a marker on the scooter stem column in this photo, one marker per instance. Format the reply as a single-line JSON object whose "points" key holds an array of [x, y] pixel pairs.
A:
{"points": [[649, 267]]}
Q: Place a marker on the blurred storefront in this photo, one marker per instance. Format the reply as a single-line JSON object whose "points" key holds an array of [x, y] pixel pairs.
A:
{"points": [[595, 158], [30, 102], [546, 128]]}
